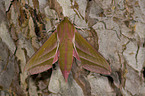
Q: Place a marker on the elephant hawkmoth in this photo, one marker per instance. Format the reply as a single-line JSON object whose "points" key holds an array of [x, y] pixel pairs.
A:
{"points": [[63, 46]]}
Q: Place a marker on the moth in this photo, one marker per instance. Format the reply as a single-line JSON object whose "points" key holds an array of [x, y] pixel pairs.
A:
{"points": [[63, 46]]}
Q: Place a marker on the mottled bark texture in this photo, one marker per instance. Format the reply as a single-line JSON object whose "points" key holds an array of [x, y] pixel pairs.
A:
{"points": [[116, 28]]}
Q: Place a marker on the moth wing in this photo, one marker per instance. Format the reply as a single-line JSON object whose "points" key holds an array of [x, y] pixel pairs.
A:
{"points": [[90, 58], [47, 54]]}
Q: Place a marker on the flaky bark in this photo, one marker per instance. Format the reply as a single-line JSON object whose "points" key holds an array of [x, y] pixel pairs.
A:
{"points": [[114, 27]]}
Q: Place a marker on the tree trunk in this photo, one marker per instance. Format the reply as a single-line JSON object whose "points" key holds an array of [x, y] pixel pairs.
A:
{"points": [[114, 27]]}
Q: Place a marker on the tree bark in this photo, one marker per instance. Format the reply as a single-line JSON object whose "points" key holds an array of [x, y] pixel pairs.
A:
{"points": [[114, 27]]}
